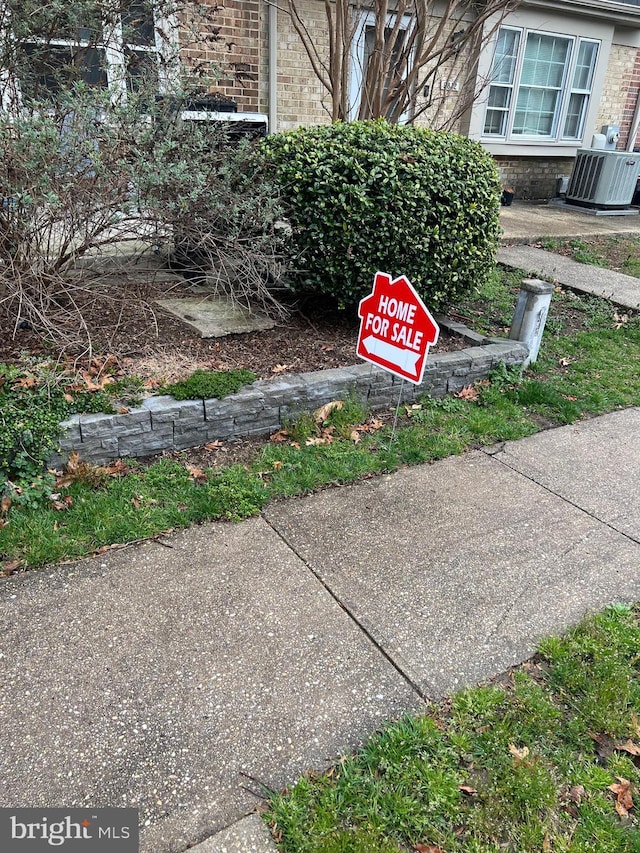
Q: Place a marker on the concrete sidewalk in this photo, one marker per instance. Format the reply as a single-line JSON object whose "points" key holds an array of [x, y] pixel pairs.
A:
{"points": [[526, 223], [180, 677]]}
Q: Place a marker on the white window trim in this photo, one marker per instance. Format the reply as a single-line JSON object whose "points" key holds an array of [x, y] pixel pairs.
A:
{"points": [[367, 19], [556, 138]]}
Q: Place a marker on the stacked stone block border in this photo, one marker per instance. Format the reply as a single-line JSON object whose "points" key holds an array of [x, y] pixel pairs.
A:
{"points": [[165, 424]]}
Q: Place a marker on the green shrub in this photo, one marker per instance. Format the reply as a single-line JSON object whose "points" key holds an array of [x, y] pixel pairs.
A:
{"points": [[368, 196], [210, 384]]}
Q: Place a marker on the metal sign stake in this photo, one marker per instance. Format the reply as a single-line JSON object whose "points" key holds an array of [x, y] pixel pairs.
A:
{"points": [[395, 417]]}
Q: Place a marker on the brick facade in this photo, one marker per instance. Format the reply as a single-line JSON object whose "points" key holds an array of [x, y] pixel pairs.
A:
{"points": [[620, 92], [533, 177], [233, 45], [222, 45], [632, 84]]}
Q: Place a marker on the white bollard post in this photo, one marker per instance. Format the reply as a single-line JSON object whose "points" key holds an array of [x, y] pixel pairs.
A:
{"points": [[531, 314]]}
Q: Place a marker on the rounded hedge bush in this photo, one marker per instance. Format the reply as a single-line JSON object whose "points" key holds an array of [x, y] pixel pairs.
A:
{"points": [[368, 196]]}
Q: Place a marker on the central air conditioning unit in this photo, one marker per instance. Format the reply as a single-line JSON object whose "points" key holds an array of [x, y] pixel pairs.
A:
{"points": [[603, 179]]}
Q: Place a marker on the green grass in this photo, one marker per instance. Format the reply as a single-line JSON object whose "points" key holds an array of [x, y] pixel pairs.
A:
{"points": [[619, 253], [517, 766], [587, 366]]}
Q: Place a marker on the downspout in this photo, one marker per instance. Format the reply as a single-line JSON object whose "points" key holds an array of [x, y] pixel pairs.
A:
{"points": [[273, 66]]}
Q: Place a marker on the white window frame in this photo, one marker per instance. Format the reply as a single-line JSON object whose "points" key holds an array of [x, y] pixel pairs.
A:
{"points": [[164, 47], [566, 90], [367, 20]]}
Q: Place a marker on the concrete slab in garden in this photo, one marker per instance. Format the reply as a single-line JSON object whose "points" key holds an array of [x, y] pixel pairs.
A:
{"points": [[178, 677], [215, 318], [457, 569], [593, 464]]}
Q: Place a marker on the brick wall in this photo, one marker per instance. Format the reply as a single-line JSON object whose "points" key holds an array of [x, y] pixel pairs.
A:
{"points": [[222, 43], [631, 82], [302, 100], [620, 92], [533, 177]]}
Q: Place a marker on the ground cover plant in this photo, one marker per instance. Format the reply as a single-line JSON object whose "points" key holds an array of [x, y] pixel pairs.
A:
{"points": [[588, 365], [545, 758]]}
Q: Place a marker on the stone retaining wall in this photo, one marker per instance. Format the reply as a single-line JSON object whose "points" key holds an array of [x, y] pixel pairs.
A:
{"points": [[166, 424]]}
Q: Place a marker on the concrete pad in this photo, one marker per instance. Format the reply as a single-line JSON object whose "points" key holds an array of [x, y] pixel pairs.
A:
{"points": [[524, 221], [215, 318], [249, 835], [156, 677], [595, 464], [457, 569], [619, 288]]}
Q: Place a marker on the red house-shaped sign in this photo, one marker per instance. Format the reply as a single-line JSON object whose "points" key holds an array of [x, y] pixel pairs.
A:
{"points": [[396, 328]]}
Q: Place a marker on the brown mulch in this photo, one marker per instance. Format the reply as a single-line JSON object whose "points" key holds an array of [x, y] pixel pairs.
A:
{"points": [[125, 322]]}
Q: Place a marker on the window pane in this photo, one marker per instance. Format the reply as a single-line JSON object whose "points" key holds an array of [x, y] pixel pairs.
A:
{"points": [[575, 116], [142, 70], [137, 22], [499, 96], [495, 122], [585, 66], [535, 112], [46, 69], [545, 60], [504, 62]]}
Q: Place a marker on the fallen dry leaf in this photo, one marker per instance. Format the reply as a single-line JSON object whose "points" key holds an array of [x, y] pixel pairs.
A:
{"points": [[620, 320], [624, 800], [467, 789], [606, 745], [196, 474], [117, 468], [519, 755], [576, 793], [95, 386], [280, 368], [326, 438], [320, 415], [281, 435], [415, 407], [629, 746], [427, 848], [25, 382], [213, 445], [355, 436], [10, 567], [5, 504], [468, 393], [277, 465]]}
